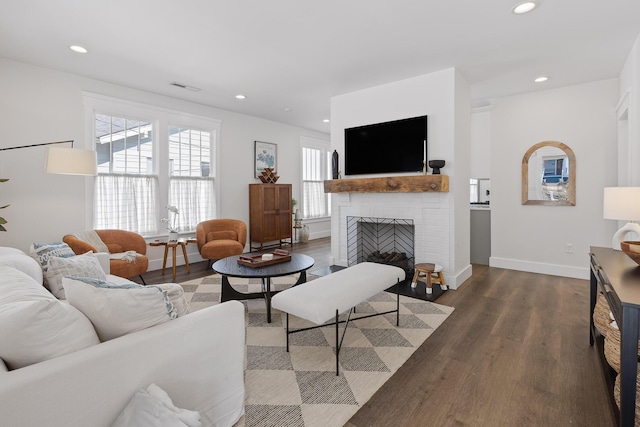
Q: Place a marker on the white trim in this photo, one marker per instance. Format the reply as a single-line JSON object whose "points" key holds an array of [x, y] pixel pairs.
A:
{"points": [[460, 277], [161, 118], [541, 268]]}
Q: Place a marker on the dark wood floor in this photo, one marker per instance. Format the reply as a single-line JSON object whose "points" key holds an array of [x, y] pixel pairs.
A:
{"points": [[515, 352]]}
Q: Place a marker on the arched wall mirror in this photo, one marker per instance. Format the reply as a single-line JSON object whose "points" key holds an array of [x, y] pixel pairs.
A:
{"points": [[549, 175]]}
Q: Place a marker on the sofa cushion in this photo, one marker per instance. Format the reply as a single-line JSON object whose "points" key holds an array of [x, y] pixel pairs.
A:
{"points": [[20, 261], [86, 265], [175, 292], [34, 325], [118, 309], [43, 252]]}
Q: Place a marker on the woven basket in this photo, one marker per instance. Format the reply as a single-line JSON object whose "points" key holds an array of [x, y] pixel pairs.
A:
{"points": [[616, 395], [601, 314], [612, 347]]}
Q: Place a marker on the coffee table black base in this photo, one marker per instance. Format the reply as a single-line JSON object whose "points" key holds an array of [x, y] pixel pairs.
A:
{"points": [[229, 294]]}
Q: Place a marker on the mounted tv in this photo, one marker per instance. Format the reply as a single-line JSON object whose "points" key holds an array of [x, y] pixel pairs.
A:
{"points": [[389, 147]]}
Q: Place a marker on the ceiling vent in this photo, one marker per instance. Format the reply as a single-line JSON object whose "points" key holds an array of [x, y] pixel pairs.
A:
{"points": [[187, 87]]}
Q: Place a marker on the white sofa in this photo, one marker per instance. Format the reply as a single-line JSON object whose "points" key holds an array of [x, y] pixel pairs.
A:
{"points": [[197, 359]]}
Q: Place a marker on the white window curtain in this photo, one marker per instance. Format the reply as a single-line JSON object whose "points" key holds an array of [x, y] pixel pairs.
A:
{"points": [[126, 202], [314, 172], [195, 199]]}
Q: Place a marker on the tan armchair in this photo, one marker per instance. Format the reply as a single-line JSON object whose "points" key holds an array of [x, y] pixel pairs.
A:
{"points": [[220, 238], [117, 241]]}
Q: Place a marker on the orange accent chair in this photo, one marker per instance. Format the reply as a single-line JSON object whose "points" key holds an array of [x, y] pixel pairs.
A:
{"points": [[117, 241], [220, 238]]}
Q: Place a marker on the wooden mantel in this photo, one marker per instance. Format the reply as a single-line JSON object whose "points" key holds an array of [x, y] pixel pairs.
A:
{"points": [[389, 184]]}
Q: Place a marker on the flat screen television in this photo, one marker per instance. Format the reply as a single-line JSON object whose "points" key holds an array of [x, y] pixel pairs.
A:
{"points": [[389, 147]]}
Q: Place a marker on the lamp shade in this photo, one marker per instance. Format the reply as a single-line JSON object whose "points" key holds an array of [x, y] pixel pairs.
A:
{"points": [[621, 203], [71, 161]]}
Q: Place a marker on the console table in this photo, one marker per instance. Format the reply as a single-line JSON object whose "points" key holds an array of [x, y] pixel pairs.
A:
{"points": [[618, 277]]}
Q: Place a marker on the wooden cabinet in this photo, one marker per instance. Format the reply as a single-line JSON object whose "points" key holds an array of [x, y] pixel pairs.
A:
{"points": [[270, 213]]}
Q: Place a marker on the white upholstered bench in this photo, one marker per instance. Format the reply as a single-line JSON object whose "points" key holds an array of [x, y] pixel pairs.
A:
{"points": [[325, 298]]}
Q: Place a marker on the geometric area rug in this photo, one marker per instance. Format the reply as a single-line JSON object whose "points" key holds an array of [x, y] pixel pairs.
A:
{"points": [[300, 388]]}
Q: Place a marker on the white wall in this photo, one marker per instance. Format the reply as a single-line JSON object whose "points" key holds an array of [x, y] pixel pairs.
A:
{"points": [[534, 238], [41, 105], [444, 97], [629, 123], [480, 143]]}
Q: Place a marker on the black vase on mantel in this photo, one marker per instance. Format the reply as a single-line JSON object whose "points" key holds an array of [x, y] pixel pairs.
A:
{"points": [[334, 165], [436, 165]]}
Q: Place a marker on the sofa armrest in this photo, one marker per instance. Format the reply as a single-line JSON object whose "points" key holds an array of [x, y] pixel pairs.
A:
{"points": [[197, 359]]}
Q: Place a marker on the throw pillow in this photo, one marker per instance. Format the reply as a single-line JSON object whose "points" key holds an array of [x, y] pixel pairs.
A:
{"points": [[86, 265], [117, 310], [175, 293], [34, 325], [43, 252], [154, 407]]}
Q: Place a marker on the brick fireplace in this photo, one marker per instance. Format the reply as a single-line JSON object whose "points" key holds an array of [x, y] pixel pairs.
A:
{"points": [[428, 211]]}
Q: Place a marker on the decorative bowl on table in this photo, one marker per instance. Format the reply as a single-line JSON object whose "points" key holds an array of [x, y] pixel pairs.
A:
{"points": [[632, 249]]}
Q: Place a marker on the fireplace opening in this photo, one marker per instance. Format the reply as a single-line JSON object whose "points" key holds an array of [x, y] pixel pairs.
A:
{"points": [[382, 240]]}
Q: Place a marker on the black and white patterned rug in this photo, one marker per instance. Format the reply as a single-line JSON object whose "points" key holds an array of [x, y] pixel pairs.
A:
{"points": [[300, 388]]}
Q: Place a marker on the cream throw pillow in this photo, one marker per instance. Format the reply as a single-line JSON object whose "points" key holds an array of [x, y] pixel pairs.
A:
{"points": [[85, 265], [117, 310], [34, 325]]}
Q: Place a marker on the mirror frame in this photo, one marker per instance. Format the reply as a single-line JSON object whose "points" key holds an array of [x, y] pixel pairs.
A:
{"points": [[572, 176]]}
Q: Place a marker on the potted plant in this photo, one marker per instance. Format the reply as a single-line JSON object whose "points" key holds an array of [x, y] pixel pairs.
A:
{"points": [[171, 225]]}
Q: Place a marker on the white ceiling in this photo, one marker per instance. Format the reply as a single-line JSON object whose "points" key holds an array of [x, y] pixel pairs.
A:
{"points": [[299, 53]]}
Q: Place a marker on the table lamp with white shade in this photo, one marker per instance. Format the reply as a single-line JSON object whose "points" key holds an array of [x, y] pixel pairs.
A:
{"points": [[623, 204]]}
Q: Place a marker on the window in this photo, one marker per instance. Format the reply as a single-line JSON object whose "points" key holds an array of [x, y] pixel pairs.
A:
{"points": [[316, 162], [191, 187], [148, 159], [125, 188]]}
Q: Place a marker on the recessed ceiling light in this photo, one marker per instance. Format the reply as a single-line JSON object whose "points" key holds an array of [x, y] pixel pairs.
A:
{"points": [[541, 79], [241, 96], [287, 109], [525, 7], [326, 121], [78, 49]]}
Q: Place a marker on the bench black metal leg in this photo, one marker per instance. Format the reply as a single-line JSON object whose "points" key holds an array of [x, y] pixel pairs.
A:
{"points": [[398, 303], [337, 346], [287, 332], [143, 282]]}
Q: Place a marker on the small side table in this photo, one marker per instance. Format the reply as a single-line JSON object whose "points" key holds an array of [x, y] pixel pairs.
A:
{"points": [[173, 244]]}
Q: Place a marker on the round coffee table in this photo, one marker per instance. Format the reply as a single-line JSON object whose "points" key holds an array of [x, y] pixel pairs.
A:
{"points": [[229, 267]]}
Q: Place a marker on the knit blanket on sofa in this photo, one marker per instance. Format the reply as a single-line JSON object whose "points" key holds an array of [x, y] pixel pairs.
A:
{"points": [[92, 238]]}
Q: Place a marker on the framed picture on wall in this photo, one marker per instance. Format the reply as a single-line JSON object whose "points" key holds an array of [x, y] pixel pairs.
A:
{"points": [[265, 156]]}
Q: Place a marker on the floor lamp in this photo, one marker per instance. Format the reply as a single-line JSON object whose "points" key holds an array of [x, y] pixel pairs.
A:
{"points": [[66, 160]]}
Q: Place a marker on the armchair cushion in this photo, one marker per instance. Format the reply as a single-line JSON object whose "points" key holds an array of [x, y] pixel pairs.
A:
{"points": [[222, 235]]}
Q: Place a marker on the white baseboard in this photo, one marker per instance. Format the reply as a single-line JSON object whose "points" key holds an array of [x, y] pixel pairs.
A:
{"points": [[542, 268], [460, 278]]}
